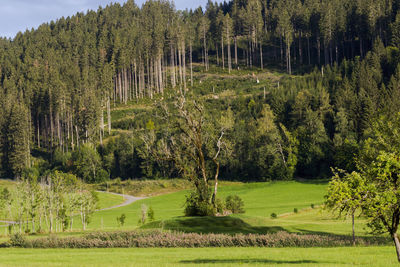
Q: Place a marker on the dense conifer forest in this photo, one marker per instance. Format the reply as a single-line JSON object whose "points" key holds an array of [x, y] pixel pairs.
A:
{"points": [[59, 83]]}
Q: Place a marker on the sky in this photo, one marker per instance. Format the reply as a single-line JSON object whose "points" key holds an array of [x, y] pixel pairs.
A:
{"points": [[19, 15]]}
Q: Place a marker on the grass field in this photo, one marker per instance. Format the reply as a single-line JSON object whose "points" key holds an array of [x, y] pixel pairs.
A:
{"points": [[108, 200], [261, 199], [353, 256]]}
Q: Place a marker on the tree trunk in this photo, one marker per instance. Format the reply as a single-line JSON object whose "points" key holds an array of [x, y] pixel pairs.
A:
{"points": [[222, 52], [191, 64], [261, 56], [217, 50], [288, 60], [214, 197], [180, 69], [184, 65], [354, 233], [205, 50], [173, 81], [397, 244], [236, 52], [108, 116], [229, 55]]}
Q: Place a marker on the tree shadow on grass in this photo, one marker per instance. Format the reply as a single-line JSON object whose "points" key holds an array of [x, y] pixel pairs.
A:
{"points": [[251, 261], [223, 225], [371, 239]]}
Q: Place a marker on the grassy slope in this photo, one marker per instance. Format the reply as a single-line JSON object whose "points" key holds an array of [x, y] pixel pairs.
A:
{"points": [[261, 199], [108, 200], [353, 256]]}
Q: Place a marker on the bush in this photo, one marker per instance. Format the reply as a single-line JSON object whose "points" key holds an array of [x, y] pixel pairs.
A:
{"points": [[18, 240], [195, 207], [150, 214], [220, 206], [235, 204], [121, 219], [295, 210], [273, 215], [312, 206]]}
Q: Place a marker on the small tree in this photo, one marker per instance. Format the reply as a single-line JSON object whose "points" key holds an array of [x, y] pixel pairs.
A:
{"points": [[87, 201], [345, 194], [150, 214], [376, 191], [143, 214], [121, 219]]}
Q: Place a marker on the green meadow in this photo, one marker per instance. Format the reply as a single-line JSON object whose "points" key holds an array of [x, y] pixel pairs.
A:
{"points": [[338, 256], [261, 200]]}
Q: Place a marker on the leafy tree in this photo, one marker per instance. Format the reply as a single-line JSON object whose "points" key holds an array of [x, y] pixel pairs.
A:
{"points": [[192, 141], [87, 163], [345, 194]]}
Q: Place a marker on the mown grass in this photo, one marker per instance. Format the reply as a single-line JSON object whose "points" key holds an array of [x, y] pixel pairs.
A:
{"points": [[340, 256], [107, 200], [261, 199]]}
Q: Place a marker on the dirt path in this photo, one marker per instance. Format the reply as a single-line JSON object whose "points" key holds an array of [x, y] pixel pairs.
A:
{"points": [[128, 200]]}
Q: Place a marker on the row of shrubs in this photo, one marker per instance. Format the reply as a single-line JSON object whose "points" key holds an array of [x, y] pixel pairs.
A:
{"points": [[163, 239]]}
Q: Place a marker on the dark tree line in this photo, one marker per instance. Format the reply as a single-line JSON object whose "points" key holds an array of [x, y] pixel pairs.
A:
{"points": [[56, 81]]}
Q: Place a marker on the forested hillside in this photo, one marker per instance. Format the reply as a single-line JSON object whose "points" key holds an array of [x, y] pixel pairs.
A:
{"points": [[302, 82]]}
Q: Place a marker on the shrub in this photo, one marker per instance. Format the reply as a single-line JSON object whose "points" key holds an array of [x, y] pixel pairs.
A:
{"points": [[150, 214], [295, 210], [121, 219], [312, 206], [195, 207], [235, 204], [220, 206], [273, 215], [17, 240]]}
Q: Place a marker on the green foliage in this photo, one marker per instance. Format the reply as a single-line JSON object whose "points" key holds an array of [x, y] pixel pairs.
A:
{"points": [[150, 214], [345, 192], [87, 164], [235, 204], [107, 68], [195, 206], [121, 219], [274, 216], [17, 240]]}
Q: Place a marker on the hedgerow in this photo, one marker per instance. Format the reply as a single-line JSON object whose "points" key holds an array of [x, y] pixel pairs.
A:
{"points": [[160, 239]]}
